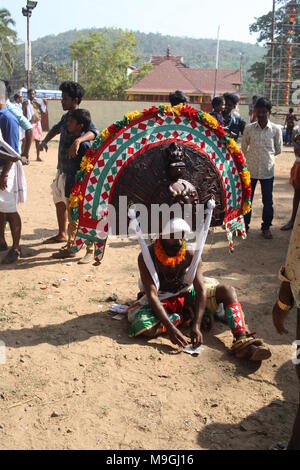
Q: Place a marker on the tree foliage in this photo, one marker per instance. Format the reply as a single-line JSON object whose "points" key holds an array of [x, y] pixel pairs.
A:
{"points": [[8, 39], [103, 62]]}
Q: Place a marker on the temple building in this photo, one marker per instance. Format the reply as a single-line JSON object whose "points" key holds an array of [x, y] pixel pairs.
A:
{"points": [[169, 73]]}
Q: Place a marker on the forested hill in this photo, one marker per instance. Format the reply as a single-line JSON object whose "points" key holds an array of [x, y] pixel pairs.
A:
{"points": [[196, 52]]}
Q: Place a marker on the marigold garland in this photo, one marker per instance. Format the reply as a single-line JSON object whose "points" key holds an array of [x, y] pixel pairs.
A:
{"points": [[86, 165], [170, 261], [75, 200]]}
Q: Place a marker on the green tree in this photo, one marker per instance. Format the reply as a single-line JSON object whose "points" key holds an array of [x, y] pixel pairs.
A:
{"points": [[103, 62], [8, 39]]}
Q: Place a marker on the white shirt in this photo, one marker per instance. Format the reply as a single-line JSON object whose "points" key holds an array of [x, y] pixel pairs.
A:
{"points": [[260, 147]]}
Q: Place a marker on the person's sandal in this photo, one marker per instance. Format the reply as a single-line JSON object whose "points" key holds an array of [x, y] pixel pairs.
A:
{"points": [[249, 347], [11, 257]]}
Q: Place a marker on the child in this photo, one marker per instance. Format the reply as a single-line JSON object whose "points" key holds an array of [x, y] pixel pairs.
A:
{"points": [[218, 105], [78, 123], [295, 182], [72, 94], [290, 121]]}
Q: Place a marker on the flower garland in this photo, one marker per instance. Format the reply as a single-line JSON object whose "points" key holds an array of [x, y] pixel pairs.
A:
{"points": [[206, 119], [170, 261]]}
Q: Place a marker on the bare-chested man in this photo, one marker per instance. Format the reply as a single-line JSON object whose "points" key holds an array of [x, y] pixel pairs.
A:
{"points": [[156, 313]]}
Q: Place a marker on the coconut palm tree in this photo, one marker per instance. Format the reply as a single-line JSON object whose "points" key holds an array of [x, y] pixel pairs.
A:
{"points": [[8, 39]]}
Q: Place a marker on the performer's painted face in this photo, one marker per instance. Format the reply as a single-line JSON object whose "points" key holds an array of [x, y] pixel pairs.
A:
{"points": [[172, 246]]}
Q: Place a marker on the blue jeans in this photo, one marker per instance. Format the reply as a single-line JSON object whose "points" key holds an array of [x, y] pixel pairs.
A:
{"points": [[267, 199]]}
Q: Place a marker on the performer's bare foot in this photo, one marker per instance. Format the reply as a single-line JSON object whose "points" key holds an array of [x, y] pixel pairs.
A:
{"points": [[39, 159]]}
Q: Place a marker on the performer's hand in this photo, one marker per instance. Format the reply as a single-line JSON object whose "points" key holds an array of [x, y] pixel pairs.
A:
{"points": [[279, 317], [196, 337], [3, 182], [177, 337], [43, 146], [73, 151]]}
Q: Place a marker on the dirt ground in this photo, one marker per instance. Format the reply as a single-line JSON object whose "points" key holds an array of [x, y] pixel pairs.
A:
{"points": [[74, 380]]}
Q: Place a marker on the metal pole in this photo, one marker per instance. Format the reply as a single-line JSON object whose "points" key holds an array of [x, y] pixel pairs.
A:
{"points": [[28, 52], [217, 62], [272, 48]]}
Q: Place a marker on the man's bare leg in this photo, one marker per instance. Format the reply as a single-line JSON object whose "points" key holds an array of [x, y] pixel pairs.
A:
{"points": [[296, 200], [15, 224], [62, 219], [2, 230], [37, 146]]}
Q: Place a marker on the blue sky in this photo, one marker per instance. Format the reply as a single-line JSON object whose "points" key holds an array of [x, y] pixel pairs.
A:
{"points": [[193, 18]]}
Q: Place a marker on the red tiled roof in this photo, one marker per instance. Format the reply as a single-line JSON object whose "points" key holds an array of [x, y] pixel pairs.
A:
{"points": [[158, 59], [171, 75]]}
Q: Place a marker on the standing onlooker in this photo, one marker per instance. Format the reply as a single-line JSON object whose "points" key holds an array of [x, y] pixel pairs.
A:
{"points": [[9, 184], [18, 100], [218, 106], [252, 117], [234, 124], [295, 182], [72, 94], [25, 127], [33, 110], [262, 141], [290, 121], [178, 97], [79, 122], [289, 295]]}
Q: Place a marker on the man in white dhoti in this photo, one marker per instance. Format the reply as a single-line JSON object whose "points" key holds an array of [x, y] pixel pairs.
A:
{"points": [[10, 180]]}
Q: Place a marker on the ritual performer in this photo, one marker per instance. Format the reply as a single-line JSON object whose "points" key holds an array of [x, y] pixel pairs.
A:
{"points": [[33, 109], [194, 304], [176, 158]]}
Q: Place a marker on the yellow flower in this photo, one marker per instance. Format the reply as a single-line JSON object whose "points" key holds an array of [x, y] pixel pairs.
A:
{"points": [[75, 200], [105, 134], [132, 116], [233, 147], [246, 208], [245, 174], [177, 109], [168, 108], [86, 165], [211, 121]]}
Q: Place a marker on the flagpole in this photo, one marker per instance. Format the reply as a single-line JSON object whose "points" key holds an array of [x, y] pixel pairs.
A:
{"points": [[217, 62]]}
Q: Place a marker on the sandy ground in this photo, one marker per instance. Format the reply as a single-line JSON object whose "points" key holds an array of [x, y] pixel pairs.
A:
{"points": [[74, 380]]}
